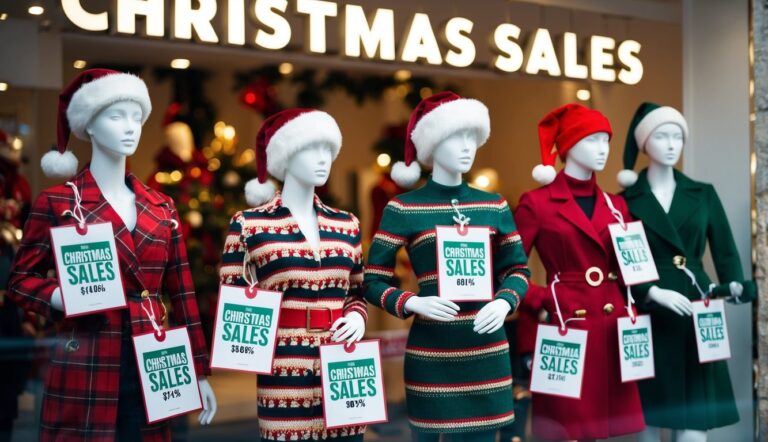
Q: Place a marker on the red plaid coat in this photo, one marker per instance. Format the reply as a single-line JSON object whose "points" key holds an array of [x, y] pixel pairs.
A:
{"points": [[80, 400]]}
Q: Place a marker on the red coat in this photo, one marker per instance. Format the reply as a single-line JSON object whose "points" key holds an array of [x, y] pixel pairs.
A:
{"points": [[569, 243], [80, 399]]}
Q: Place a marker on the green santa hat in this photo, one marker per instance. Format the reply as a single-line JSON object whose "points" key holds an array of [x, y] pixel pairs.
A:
{"points": [[648, 117]]}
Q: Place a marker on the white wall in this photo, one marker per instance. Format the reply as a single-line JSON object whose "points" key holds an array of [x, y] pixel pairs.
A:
{"points": [[716, 105]]}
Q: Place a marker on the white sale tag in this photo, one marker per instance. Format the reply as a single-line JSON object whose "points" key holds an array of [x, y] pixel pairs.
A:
{"points": [[558, 362], [636, 348], [711, 330], [633, 253], [88, 269], [167, 373], [464, 263], [353, 386], [245, 334]]}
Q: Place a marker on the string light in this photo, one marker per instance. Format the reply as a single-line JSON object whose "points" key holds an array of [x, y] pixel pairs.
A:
{"points": [[402, 75], [583, 94], [285, 68], [180, 63], [383, 160], [79, 64], [36, 10]]}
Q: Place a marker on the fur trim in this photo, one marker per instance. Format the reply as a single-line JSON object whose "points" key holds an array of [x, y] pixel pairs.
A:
{"points": [[94, 96], [256, 193], [405, 176], [656, 118], [626, 178], [446, 119], [296, 134], [544, 174], [59, 165]]}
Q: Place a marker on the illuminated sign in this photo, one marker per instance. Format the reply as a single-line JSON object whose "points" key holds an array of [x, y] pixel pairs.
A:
{"points": [[368, 34]]}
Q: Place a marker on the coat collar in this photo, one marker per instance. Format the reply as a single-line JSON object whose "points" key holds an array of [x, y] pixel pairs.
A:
{"points": [[570, 210]]}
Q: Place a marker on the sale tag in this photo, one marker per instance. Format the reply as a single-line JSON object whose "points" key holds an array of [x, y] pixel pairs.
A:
{"points": [[353, 387], [167, 373], [88, 269], [636, 348], [245, 334], [711, 330], [464, 264], [633, 253], [558, 362]]}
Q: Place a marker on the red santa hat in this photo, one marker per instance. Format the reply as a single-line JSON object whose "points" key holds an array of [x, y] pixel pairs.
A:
{"points": [[79, 102], [280, 137], [433, 120], [560, 130]]}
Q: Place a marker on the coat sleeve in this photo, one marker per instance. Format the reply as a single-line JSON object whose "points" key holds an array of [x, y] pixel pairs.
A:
{"points": [[510, 262], [354, 301], [382, 256], [721, 243], [29, 285], [181, 291]]}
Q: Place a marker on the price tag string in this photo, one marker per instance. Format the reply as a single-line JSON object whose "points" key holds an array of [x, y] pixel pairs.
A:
{"points": [[77, 213], [620, 218], [152, 318], [460, 219], [557, 305], [249, 275]]}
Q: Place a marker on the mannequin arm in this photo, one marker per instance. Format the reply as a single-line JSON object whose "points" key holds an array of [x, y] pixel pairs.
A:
{"points": [[382, 257], [209, 401], [510, 262], [671, 300], [29, 286], [351, 327], [181, 291], [721, 243]]}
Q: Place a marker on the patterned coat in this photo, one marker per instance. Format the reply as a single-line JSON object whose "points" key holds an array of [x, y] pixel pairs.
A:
{"points": [[81, 391], [456, 380], [268, 238], [684, 394], [569, 244]]}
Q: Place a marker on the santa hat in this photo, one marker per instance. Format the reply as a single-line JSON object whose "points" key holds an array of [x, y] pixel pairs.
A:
{"points": [[647, 118], [560, 130], [435, 119], [79, 102], [280, 137]]}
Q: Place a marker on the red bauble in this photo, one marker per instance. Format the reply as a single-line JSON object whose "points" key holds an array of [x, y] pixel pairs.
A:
{"points": [[261, 97]]}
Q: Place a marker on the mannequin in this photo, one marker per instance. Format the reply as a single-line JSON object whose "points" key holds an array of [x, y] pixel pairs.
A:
{"points": [[290, 230], [180, 140], [671, 206], [445, 132], [570, 213], [107, 108]]}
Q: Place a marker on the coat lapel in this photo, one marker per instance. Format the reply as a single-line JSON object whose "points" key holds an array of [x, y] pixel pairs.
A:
{"points": [[687, 199], [571, 211], [149, 215], [646, 207]]}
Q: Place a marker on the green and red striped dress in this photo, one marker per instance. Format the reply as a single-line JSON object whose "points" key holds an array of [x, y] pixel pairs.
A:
{"points": [[457, 381]]}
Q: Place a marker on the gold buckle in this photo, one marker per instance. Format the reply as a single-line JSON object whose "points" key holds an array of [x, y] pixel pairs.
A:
{"points": [[678, 261], [588, 276], [309, 319]]}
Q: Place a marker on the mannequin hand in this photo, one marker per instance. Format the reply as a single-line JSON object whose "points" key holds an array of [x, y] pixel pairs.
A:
{"points": [[209, 401], [672, 300], [57, 301], [736, 289], [491, 317], [432, 307], [349, 328]]}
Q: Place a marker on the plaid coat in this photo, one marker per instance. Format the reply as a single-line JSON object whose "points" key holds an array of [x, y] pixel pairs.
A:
{"points": [[80, 399]]}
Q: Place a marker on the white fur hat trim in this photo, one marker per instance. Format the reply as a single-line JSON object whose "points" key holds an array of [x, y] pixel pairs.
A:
{"points": [[654, 119], [256, 193], [626, 178], [59, 165], [446, 119], [544, 174], [299, 133], [405, 176]]}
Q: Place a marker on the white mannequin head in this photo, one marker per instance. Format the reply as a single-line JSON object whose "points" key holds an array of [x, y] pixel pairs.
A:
{"points": [[310, 166], [665, 144], [456, 153], [590, 153], [180, 140], [116, 129]]}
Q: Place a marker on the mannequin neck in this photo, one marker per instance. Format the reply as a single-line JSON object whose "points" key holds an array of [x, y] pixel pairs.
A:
{"points": [[441, 175], [661, 176], [577, 171], [109, 172], [297, 196]]}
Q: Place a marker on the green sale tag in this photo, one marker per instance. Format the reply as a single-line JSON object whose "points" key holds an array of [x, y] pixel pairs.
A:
{"points": [[352, 379], [245, 324], [167, 368]]}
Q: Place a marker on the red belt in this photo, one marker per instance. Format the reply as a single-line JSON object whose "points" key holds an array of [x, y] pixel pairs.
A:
{"points": [[313, 319], [594, 276]]}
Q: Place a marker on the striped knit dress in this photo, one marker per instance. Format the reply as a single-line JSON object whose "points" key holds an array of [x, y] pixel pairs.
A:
{"points": [[457, 381], [290, 400]]}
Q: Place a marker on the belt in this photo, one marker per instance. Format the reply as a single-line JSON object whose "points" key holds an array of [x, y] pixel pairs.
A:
{"points": [[313, 319], [594, 276]]}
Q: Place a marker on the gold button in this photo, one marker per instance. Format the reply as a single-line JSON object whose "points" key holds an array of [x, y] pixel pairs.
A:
{"points": [[580, 313], [145, 294], [613, 276], [678, 261], [608, 308]]}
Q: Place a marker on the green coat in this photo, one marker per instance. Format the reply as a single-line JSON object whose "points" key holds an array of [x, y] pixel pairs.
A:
{"points": [[684, 394]]}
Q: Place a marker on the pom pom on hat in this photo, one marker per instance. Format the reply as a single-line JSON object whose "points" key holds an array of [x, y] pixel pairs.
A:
{"points": [[560, 130], [405, 176], [626, 178], [59, 165], [258, 193]]}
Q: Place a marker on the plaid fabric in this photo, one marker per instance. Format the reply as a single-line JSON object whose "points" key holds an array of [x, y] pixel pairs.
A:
{"points": [[80, 399]]}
